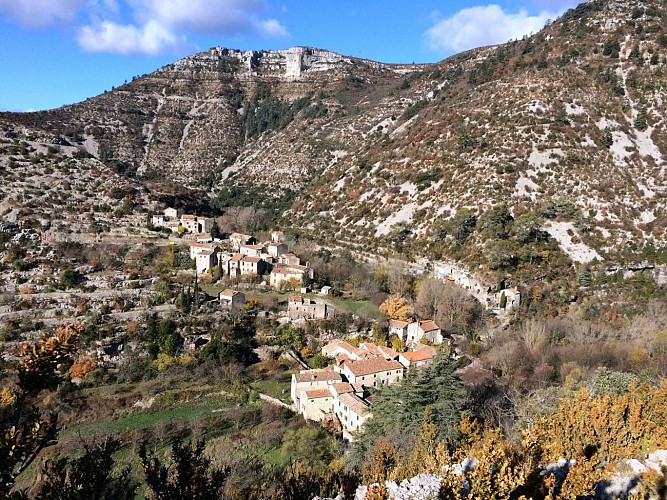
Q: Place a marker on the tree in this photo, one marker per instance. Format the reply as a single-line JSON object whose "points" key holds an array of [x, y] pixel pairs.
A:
{"points": [[398, 409], [396, 307], [24, 429], [311, 443], [189, 475], [90, 476], [495, 223], [453, 309], [527, 228], [68, 279], [215, 231], [462, 224]]}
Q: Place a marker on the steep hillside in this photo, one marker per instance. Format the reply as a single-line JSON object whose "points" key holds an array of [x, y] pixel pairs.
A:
{"points": [[565, 126], [568, 123]]}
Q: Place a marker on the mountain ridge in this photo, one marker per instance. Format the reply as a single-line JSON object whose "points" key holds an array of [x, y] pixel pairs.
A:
{"points": [[566, 124]]}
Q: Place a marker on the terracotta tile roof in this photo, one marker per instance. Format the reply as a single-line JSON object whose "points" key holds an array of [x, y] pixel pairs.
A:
{"points": [[341, 388], [200, 245], [253, 260], [317, 393], [354, 403], [420, 355], [374, 365], [228, 292], [341, 344], [379, 350], [188, 217], [397, 323], [296, 298], [323, 374], [428, 326], [237, 257]]}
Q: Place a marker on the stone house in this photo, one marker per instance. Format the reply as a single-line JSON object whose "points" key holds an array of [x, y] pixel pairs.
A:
{"points": [[277, 236], [379, 351], [337, 348], [352, 412], [238, 239], [300, 308], [374, 372], [158, 220], [418, 359], [275, 248], [309, 380], [196, 248], [171, 213], [315, 404], [206, 260], [424, 330], [251, 250], [289, 259], [399, 328], [231, 299], [189, 222], [281, 273], [242, 265], [205, 224]]}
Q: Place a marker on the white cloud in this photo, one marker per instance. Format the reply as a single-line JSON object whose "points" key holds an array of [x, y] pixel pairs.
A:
{"points": [[221, 17], [482, 25], [151, 39], [40, 13], [161, 25]]}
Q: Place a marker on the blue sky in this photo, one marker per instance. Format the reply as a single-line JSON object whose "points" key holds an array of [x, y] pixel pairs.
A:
{"points": [[56, 52]]}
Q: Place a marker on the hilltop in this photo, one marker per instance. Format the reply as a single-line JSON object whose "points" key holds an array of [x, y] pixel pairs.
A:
{"points": [[566, 124]]}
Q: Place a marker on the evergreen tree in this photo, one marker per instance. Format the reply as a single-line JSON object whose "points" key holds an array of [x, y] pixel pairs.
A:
{"points": [[398, 409], [89, 477], [189, 475]]}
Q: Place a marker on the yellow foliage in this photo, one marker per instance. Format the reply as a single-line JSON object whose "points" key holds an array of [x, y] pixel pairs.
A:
{"points": [[164, 361], [604, 428], [396, 307], [500, 465], [384, 457], [7, 397]]}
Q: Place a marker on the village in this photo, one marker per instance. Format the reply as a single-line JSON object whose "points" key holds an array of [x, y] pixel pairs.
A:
{"points": [[340, 392]]}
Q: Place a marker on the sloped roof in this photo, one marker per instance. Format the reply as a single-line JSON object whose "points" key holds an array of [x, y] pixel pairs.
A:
{"points": [[317, 393], [374, 365], [420, 355], [323, 374], [354, 403], [428, 326], [397, 323]]}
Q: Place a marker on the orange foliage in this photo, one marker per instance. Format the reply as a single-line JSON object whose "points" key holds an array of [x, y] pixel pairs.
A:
{"points": [[82, 367]]}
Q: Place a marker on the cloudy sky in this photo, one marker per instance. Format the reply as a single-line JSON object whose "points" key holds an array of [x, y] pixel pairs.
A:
{"points": [[55, 52]]}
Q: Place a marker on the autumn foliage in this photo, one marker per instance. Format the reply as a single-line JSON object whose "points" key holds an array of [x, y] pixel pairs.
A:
{"points": [[396, 307], [592, 433], [82, 367]]}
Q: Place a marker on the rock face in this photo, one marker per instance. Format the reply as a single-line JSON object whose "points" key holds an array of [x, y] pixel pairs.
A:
{"points": [[570, 117]]}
